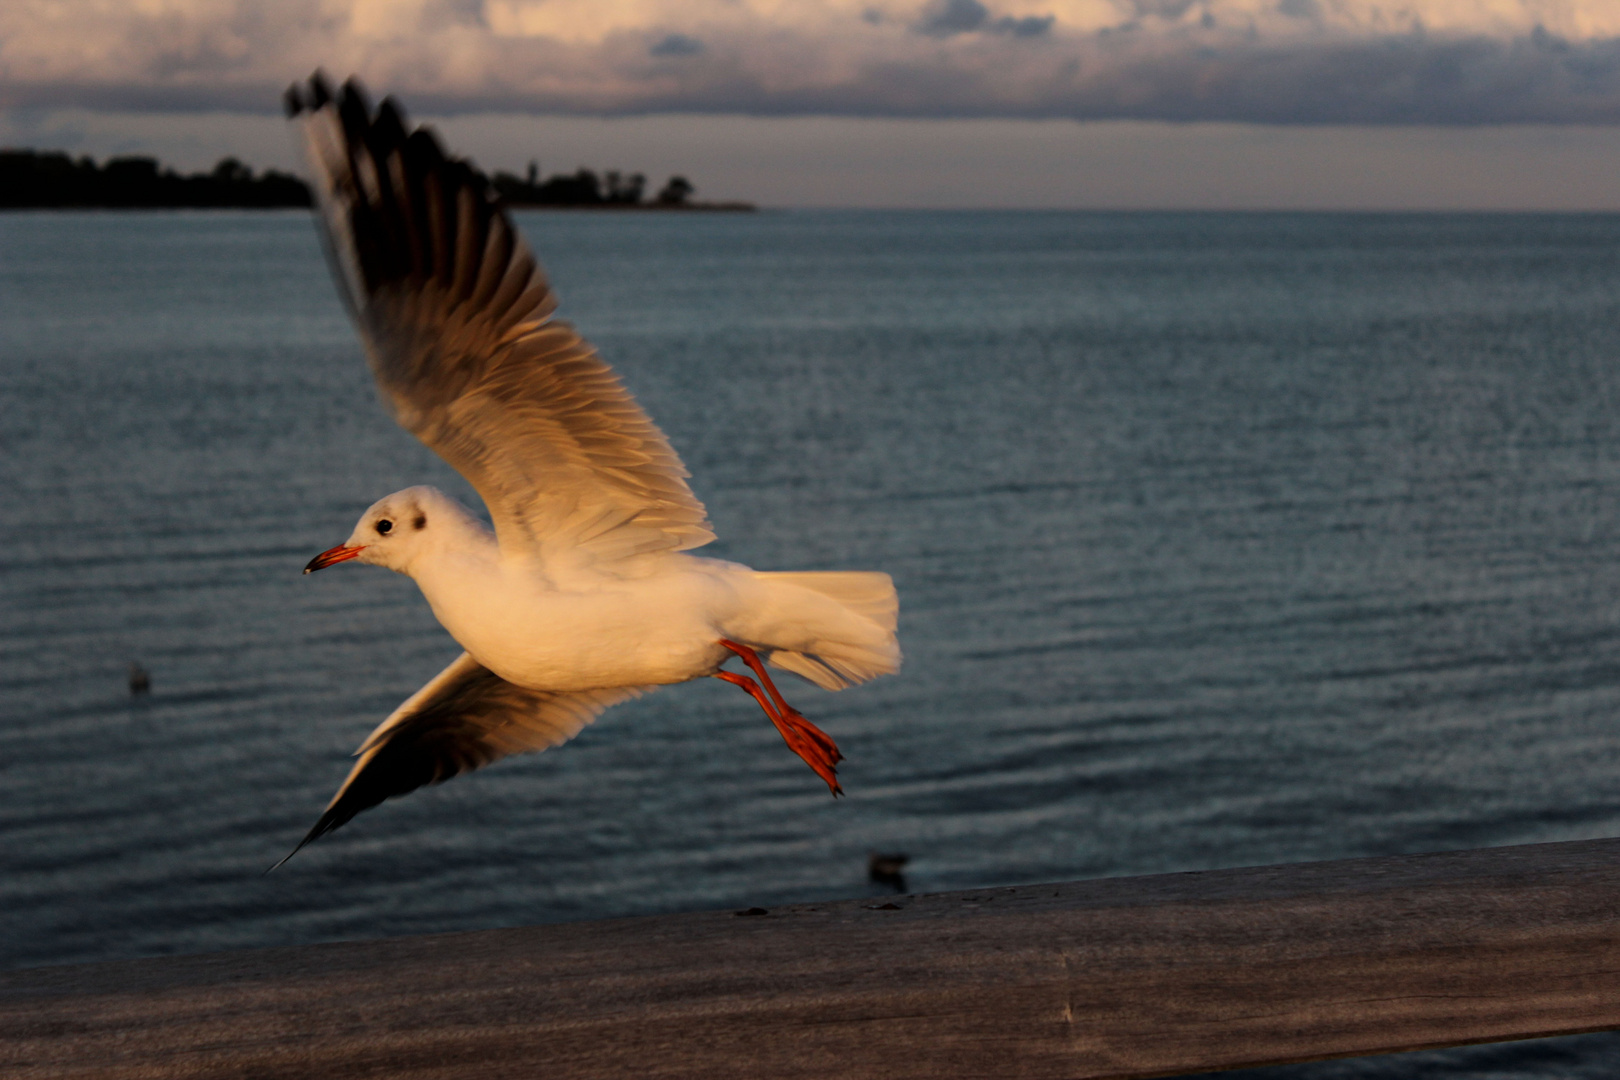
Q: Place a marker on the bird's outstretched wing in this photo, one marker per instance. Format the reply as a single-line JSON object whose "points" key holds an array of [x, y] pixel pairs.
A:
{"points": [[457, 323], [463, 719]]}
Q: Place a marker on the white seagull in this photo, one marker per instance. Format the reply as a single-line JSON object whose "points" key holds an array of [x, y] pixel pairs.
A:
{"points": [[582, 596]]}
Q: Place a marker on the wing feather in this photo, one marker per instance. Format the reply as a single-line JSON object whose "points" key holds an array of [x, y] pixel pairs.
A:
{"points": [[456, 317], [465, 718]]}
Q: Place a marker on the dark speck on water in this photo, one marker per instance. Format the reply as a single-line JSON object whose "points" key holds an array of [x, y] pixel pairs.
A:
{"points": [[887, 870], [1221, 539]]}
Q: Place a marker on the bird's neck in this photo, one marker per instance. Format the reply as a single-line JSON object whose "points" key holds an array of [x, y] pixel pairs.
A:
{"points": [[463, 583]]}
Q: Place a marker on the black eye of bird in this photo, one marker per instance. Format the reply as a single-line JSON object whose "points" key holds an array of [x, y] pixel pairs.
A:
{"points": [[384, 526]]}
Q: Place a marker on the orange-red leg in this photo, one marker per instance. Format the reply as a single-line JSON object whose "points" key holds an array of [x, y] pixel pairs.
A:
{"points": [[788, 712], [802, 737]]}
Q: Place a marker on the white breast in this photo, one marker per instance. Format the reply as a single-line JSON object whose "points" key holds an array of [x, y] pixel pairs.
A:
{"points": [[589, 632]]}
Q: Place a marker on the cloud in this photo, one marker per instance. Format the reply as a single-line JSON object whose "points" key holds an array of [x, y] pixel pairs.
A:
{"points": [[1299, 9], [676, 45], [1028, 26], [1270, 61], [947, 18]]}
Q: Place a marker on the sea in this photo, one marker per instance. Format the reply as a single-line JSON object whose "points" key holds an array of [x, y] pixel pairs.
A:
{"points": [[1222, 539]]}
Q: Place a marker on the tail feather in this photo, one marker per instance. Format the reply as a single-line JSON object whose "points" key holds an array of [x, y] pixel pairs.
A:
{"points": [[867, 593], [862, 648]]}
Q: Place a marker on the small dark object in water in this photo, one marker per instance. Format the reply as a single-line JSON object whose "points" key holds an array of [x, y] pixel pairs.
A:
{"points": [[752, 911], [886, 870], [139, 681]]}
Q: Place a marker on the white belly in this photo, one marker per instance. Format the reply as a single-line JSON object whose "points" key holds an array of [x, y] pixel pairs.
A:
{"points": [[642, 632]]}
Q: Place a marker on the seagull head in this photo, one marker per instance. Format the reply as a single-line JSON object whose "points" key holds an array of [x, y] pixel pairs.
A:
{"points": [[396, 530]]}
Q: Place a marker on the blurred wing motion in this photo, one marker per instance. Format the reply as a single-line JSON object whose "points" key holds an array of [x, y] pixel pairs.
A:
{"points": [[456, 319], [465, 718]]}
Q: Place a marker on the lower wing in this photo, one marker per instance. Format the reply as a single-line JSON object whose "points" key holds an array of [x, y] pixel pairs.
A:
{"points": [[465, 718]]}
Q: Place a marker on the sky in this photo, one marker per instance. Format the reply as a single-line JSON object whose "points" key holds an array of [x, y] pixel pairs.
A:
{"points": [[1109, 104]]}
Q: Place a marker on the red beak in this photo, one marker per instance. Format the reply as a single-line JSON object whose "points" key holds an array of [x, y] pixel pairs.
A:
{"points": [[332, 555]]}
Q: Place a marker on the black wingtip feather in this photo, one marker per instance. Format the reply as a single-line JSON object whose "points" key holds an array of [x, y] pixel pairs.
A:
{"points": [[292, 101], [390, 125], [354, 93], [336, 817], [320, 91], [355, 116], [406, 217], [406, 222], [419, 755], [423, 148]]}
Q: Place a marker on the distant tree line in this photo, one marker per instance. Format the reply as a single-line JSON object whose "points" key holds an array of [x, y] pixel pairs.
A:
{"points": [[32, 178], [586, 188], [36, 178]]}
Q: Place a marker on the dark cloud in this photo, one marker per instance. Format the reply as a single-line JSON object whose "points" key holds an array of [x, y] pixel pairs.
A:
{"points": [[1299, 9], [1164, 9], [676, 45], [947, 18], [1167, 60], [1411, 79], [1028, 26], [944, 18]]}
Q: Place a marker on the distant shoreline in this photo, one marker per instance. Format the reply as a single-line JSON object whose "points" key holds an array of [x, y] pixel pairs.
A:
{"points": [[638, 208], [51, 180], [695, 208]]}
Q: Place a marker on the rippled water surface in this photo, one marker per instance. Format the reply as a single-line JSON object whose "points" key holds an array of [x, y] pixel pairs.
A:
{"points": [[1221, 540]]}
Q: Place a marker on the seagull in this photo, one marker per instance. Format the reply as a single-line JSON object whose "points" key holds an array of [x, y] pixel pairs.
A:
{"points": [[583, 594]]}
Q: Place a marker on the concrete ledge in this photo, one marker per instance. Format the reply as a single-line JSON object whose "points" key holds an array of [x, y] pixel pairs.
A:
{"points": [[1122, 977]]}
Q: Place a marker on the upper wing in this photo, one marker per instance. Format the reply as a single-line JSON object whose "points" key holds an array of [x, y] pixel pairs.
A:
{"points": [[456, 320], [465, 718]]}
